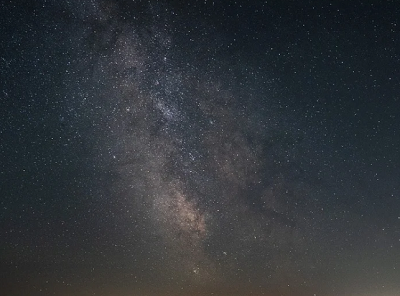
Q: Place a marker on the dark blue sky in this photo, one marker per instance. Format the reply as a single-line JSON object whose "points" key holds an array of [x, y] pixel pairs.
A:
{"points": [[205, 148]]}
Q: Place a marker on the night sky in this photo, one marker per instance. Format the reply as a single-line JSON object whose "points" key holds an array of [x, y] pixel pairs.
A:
{"points": [[200, 148]]}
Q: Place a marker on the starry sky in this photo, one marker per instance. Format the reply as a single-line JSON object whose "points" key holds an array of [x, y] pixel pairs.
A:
{"points": [[199, 148]]}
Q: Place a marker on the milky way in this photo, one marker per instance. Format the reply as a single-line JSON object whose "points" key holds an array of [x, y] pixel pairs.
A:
{"points": [[197, 161]]}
